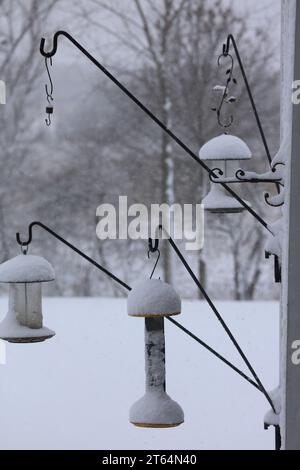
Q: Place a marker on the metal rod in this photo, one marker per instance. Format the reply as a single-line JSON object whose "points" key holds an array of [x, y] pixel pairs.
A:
{"points": [[126, 286], [215, 353], [74, 248], [152, 116], [278, 441], [217, 314]]}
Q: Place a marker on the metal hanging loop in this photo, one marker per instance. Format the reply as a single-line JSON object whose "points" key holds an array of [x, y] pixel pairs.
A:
{"points": [[24, 249], [229, 72], [153, 248], [49, 97]]}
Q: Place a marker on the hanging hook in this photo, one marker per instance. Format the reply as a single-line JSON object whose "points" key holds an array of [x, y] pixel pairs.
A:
{"points": [[273, 204], [49, 109], [23, 244], [153, 248], [229, 72]]}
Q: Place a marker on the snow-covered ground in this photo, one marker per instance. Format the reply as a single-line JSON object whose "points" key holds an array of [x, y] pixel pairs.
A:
{"points": [[75, 391]]}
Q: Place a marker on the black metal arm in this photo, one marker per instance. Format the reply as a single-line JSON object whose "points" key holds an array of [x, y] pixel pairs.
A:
{"points": [[226, 48], [239, 177], [74, 248], [147, 111], [152, 248]]}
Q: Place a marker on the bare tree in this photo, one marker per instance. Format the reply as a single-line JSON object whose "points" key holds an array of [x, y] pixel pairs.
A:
{"points": [[175, 45], [21, 29]]}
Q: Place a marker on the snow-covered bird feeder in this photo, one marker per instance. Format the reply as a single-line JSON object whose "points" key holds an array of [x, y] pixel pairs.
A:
{"points": [[223, 149], [153, 300], [24, 320]]}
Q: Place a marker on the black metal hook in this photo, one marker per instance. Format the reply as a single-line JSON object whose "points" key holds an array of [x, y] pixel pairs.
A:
{"points": [[215, 174], [149, 113], [156, 262], [153, 248], [153, 245], [29, 239], [54, 48], [49, 109], [226, 48], [49, 95], [72, 247], [272, 204], [229, 72]]}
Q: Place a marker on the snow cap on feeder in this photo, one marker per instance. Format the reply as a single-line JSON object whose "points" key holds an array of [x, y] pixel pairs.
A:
{"points": [[225, 147], [24, 320], [153, 298]]}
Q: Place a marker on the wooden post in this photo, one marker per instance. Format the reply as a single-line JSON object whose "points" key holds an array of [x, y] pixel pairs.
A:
{"points": [[290, 305]]}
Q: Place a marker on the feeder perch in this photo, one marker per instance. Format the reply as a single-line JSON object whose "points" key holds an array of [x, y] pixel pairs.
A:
{"points": [[154, 299], [224, 148], [24, 320]]}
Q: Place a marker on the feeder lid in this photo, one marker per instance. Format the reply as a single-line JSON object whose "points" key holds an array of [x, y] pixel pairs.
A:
{"points": [[156, 410], [219, 201], [13, 332], [153, 298], [26, 268], [225, 147]]}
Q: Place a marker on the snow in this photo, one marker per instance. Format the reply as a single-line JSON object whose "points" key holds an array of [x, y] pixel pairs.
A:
{"points": [[274, 243], [75, 390], [26, 268], [220, 88], [225, 147], [153, 297], [277, 175], [271, 418], [156, 408], [219, 199]]}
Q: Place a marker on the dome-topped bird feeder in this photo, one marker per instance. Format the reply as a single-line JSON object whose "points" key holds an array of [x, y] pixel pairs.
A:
{"points": [[224, 148], [24, 320], [153, 300]]}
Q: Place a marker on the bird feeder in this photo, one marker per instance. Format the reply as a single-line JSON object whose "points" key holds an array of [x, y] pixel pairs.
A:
{"points": [[153, 300], [24, 320], [221, 150]]}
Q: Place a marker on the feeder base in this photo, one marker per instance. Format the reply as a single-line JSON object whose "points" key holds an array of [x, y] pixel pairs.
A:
{"points": [[153, 315], [27, 340], [157, 426], [226, 211]]}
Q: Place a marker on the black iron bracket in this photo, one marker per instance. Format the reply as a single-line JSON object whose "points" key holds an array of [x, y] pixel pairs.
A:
{"points": [[241, 177], [149, 113], [226, 49], [154, 247], [26, 243]]}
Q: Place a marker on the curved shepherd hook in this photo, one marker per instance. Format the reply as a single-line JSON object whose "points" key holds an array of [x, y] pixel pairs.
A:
{"points": [[229, 72], [226, 48], [153, 247], [151, 115]]}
